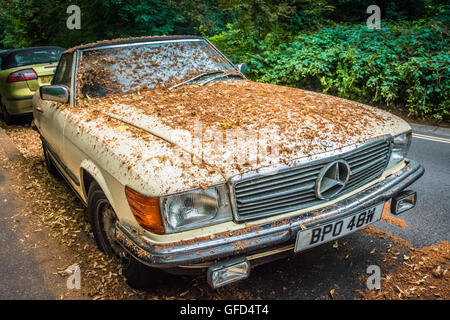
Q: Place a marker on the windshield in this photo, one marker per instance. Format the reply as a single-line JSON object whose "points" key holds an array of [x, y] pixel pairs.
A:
{"points": [[37, 56], [153, 65]]}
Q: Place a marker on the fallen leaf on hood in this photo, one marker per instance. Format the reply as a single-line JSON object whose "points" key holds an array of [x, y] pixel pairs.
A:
{"points": [[121, 128], [226, 124], [307, 118], [437, 272]]}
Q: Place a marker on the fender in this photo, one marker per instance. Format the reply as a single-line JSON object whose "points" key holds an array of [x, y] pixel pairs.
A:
{"points": [[91, 168], [113, 189]]}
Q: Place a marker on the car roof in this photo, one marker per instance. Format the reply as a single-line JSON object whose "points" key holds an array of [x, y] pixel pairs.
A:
{"points": [[121, 41]]}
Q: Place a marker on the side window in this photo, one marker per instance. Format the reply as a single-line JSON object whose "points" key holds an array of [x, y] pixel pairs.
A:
{"points": [[63, 75]]}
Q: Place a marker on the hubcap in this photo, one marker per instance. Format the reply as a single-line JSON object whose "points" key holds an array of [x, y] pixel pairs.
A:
{"points": [[109, 220]]}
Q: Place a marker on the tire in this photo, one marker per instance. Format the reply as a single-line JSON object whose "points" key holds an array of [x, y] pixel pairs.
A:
{"points": [[51, 168], [5, 115], [102, 218], [138, 275]]}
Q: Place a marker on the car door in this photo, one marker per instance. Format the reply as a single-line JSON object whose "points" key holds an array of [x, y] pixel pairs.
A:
{"points": [[72, 141], [48, 116]]}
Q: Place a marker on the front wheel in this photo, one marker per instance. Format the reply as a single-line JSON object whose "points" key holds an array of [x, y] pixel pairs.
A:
{"points": [[103, 220]]}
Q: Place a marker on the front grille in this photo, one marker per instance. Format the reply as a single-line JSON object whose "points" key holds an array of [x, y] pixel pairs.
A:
{"points": [[294, 188]]}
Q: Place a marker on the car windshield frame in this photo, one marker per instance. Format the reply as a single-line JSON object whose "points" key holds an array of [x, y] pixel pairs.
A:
{"points": [[80, 52]]}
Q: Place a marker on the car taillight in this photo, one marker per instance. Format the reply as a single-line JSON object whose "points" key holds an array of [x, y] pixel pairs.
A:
{"points": [[22, 75]]}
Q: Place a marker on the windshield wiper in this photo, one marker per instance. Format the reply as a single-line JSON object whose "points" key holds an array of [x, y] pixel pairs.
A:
{"points": [[221, 74], [225, 74]]}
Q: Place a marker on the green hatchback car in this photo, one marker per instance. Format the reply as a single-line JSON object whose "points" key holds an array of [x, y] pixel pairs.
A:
{"points": [[22, 72]]}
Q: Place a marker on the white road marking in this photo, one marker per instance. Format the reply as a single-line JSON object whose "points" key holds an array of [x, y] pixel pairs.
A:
{"points": [[431, 138]]}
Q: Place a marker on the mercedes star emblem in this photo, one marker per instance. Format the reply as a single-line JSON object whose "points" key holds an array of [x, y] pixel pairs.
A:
{"points": [[332, 179]]}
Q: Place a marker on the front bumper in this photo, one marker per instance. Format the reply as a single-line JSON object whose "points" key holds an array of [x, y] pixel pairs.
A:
{"points": [[263, 237]]}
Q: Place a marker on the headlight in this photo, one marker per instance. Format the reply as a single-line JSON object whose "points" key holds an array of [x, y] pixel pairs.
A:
{"points": [[195, 208], [400, 147]]}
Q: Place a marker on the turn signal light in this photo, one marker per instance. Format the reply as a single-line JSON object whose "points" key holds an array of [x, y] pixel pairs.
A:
{"points": [[145, 210]]}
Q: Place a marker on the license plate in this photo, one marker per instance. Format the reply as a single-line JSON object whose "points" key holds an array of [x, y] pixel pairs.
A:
{"points": [[330, 231], [46, 79]]}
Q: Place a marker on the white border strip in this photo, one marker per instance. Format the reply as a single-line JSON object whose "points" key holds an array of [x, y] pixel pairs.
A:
{"points": [[431, 138]]}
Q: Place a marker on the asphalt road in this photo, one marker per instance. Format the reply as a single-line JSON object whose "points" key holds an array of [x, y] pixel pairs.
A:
{"points": [[310, 275], [20, 275], [429, 222]]}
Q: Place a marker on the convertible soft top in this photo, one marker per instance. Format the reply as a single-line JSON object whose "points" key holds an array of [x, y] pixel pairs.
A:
{"points": [[9, 61]]}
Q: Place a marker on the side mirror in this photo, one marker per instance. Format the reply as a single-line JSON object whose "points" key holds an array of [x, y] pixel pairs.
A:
{"points": [[243, 68], [54, 93]]}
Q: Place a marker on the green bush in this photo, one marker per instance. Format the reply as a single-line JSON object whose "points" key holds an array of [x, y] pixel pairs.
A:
{"points": [[403, 64], [321, 45]]}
